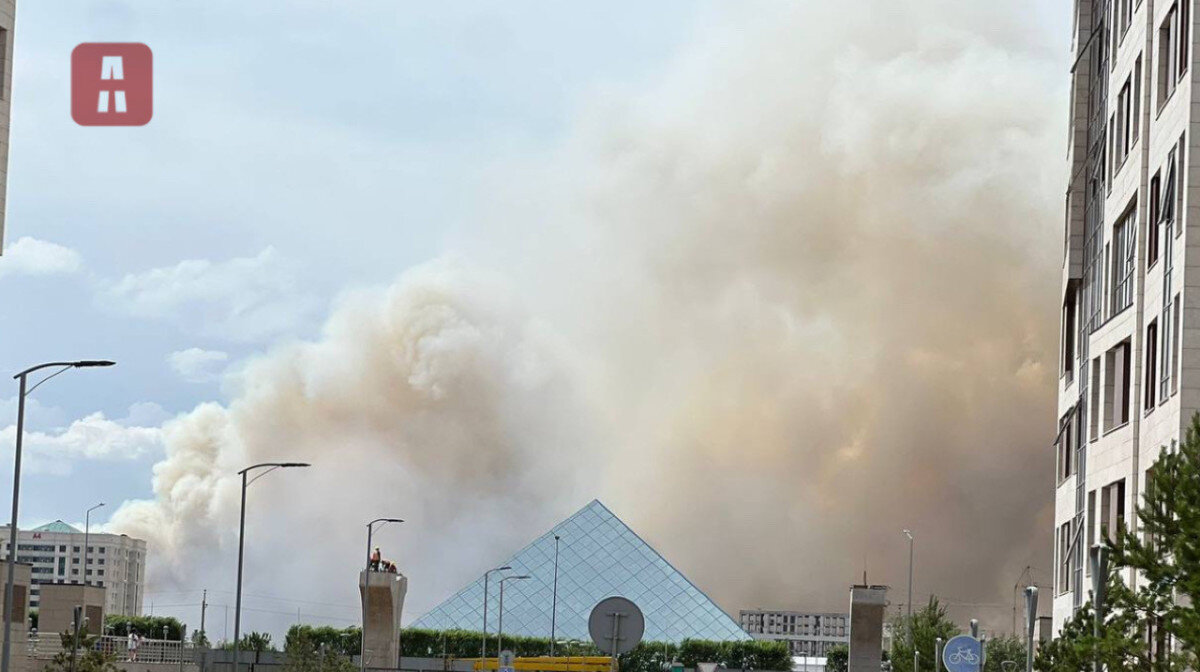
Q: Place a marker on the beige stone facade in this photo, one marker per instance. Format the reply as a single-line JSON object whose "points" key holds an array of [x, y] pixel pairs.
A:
{"points": [[8, 10], [1129, 361]]}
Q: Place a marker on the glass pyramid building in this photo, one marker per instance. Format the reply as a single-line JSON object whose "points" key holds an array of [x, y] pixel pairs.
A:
{"points": [[599, 556]]}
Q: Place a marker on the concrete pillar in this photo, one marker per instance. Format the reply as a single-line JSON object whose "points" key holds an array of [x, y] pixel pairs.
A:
{"points": [[867, 607], [381, 622], [56, 612]]}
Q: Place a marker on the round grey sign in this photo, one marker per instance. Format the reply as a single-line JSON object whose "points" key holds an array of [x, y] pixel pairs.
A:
{"points": [[616, 625]]}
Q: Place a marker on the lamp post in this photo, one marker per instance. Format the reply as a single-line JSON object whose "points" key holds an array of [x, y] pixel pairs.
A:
{"points": [[237, 610], [909, 534], [486, 575], [362, 649], [500, 626], [23, 378], [87, 528], [554, 599]]}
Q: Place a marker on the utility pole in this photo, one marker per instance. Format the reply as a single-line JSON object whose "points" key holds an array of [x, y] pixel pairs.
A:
{"points": [[203, 609]]}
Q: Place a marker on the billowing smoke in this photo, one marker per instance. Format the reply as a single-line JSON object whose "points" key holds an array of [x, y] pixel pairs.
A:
{"points": [[791, 296]]}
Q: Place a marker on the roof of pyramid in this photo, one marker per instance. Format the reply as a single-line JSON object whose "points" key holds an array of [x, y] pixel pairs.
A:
{"points": [[599, 556], [57, 526]]}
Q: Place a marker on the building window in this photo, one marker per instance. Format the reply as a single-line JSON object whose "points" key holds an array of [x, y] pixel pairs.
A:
{"points": [[1091, 525], [1117, 371], [1175, 328], [1168, 56], [1135, 119], [1112, 511], [1064, 557], [1185, 18], [1068, 336], [1122, 125], [1123, 263], [1152, 223], [1066, 447], [1165, 368], [1151, 364], [1094, 407]]}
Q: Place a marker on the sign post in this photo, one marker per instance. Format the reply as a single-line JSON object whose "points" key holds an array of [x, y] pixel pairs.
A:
{"points": [[963, 653]]}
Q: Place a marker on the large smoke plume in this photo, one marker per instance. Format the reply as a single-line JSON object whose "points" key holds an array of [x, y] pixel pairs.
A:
{"points": [[792, 295]]}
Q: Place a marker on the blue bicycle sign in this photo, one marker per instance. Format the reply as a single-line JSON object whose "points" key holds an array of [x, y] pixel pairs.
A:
{"points": [[963, 653]]}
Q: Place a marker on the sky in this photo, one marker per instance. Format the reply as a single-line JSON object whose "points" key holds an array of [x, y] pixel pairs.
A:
{"points": [[483, 261]]}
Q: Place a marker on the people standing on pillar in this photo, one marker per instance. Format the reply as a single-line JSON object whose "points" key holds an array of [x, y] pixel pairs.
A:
{"points": [[376, 559]]}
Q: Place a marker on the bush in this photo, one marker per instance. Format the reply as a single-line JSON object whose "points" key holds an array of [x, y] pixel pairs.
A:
{"points": [[147, 627], [646, 657], [340, 641]]}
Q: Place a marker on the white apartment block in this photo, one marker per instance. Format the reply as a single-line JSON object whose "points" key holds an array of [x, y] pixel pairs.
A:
{"points": [[807, 634], [1130, 341], [8, 10], [114, 562]]}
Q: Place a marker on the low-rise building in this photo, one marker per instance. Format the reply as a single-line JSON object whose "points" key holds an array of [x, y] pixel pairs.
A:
{"points": [[807, 633], [55, 551]]}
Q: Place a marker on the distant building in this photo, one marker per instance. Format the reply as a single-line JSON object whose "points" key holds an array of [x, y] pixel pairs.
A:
{"points": [[115, 562], [806, 633]]}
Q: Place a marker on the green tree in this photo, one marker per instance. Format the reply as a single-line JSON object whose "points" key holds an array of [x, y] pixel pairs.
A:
{"points": [[308, 654], [837, 659], [929, 623], [258, 642], [1003, 649], [88, 657], [1166, 551]]}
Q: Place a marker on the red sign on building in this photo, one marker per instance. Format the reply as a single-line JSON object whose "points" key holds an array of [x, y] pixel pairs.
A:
{"points": [[112, 84]]}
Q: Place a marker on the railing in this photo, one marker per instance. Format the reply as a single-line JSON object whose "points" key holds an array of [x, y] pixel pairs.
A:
{"points": [[145, 651]]}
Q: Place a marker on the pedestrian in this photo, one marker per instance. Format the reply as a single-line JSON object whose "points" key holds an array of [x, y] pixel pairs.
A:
{"points": [[376, 558], [132, 644]]}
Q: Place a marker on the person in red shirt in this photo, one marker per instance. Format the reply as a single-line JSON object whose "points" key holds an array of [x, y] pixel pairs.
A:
{"points": [[375, 559]]}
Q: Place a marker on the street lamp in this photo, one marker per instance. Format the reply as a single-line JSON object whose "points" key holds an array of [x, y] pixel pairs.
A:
{"points": [[23, 377], [910, 582], [500, 626], [486, 576], [87, 528], [554, 599], [362, 650], [237, 610]]}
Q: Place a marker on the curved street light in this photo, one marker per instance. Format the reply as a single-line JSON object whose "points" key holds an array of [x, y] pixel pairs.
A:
{"points": [[237, 610], [23, 378], [486, 576], [362, 640], [909, 534], [87, 528]]}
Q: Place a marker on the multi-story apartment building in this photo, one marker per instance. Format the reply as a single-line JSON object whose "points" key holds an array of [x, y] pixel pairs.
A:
{"points": [[114, 562], [8, 10], [807, 634], [1130, 349]]}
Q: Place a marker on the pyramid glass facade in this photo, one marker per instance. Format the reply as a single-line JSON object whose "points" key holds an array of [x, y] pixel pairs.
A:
{"points": [[599, 556]]}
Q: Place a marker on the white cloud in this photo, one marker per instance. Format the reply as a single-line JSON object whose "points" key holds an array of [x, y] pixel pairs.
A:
{"points": [[93, 437], [145, 414], [197, 365], [30, 256], [241, 299], [37, 414]]}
